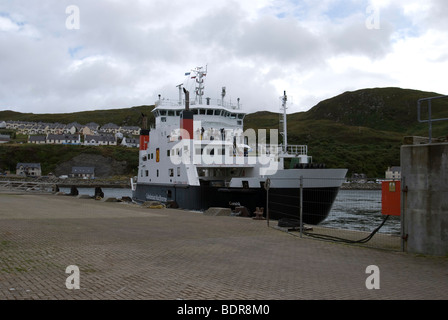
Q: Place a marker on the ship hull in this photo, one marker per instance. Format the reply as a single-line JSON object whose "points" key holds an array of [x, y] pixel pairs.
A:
{"points": [[283, 202]]}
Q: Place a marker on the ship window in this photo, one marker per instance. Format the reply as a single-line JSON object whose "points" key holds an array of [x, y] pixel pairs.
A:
{"points": [[178, 171], [178, 113], [227, 114], [147, 172], [195, 111], [157, 172], [241, 116], [171, 172], [245, 184], [163, 119], [170, 113], [209, 112], [201, 111], [238, 122], [162, 112], [217, 112], [233, 116], [168, 152]]}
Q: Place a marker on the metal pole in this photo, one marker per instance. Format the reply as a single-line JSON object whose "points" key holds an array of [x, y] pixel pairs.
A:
{"points": [[404, 198], [267, 205], [301, 206], [430, 122]]}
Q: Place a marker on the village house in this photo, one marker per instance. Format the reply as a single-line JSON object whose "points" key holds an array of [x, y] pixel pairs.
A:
{"points": [[4, 138], [72, 127], [90, 128], [64, 139], [100, 140], [393, 173], [130, 130], [83, 172], [130, 142], [37, 139], [110, 128], [28, 169]]}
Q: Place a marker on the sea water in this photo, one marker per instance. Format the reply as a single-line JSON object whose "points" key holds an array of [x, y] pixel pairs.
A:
{"points": [[360, 210], [108, 192]]}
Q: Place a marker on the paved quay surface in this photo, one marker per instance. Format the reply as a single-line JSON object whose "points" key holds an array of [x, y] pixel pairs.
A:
{"points": [[125, 251]]}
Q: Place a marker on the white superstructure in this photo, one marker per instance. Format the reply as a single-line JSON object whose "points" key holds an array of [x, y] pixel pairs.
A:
{"points": [[216, 147]]}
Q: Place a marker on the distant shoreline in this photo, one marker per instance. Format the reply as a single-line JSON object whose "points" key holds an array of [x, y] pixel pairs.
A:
{"points": [[67, 182], [361, 186]]}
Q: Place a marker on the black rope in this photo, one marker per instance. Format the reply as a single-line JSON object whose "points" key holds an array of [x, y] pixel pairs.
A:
{"points": [[337, 239]]}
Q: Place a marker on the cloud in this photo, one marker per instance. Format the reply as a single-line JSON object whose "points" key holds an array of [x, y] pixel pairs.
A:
{"points": [[125, 53]]}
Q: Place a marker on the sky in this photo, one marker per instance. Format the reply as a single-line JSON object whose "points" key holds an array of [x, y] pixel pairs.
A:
{"points": [[59, 56]]}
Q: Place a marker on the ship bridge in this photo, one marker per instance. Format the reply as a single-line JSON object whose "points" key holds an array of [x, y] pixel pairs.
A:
{"points": [[210, 116]]}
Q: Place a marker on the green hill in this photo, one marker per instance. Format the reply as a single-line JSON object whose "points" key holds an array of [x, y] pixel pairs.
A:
{"points": [[360, 130], [124, 117]]}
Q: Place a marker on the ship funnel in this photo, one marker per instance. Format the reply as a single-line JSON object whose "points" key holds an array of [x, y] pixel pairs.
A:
{"points": [[187, 99], [186, 118]]}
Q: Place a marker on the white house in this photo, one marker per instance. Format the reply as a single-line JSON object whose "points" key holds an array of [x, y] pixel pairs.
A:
{"points": [[130, 142], [393, 173], [100, 140], [64, 139], [28, 169]]}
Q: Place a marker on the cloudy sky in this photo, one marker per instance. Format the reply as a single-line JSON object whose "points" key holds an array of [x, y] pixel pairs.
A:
{"points": [[60, 56]]}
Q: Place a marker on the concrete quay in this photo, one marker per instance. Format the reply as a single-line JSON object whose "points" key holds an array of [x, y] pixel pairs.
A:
{"points": [[128, 252]]}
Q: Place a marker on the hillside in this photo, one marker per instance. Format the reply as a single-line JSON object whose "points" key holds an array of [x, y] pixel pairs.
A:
{"points": [[122, 161], [123, 117], [360, 130], [387, 109]]}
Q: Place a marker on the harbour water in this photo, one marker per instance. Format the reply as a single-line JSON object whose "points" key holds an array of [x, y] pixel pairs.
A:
{"points": [[352, 210], [360, 210], [108, 192]]}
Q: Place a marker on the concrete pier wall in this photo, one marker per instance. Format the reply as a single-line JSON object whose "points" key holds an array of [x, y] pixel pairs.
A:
{"points": [[425, 204]]}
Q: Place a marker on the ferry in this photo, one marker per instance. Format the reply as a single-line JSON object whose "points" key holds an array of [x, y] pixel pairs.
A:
{"points": [[197, 155]]}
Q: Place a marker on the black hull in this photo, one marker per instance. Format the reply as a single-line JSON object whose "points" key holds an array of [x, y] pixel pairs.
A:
{"points": [[283, 202]]}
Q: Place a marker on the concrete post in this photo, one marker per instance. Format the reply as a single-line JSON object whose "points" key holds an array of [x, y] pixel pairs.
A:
{"points": [[425, 209]]}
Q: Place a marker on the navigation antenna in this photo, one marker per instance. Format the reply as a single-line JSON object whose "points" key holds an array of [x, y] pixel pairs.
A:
{"points": [[284, 128], [199, 74]]}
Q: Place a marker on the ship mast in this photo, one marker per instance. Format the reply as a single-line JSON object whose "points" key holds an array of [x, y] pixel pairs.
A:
{"points": [[199, 90], [284, 132]]}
